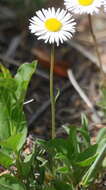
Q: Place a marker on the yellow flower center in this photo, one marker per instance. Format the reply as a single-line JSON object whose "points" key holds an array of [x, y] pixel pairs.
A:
{"points": [[53, 25], [85, 2]]}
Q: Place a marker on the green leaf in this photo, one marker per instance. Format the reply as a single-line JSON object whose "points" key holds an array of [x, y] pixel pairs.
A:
{"points": [[11, 117], [101, 135], [8, 84], [41, 179], [5, 106], [89, 152], [87, 157], [101, 144], [49, 188], [60, 156], [95, 167], [72, 143], [88, 161], [68, 147], [63, 170], [8, 182], [5, 72], [60, 145], [42, 160], [84, 122], [104, 163], [14, 143], [17, 120], [12, 94], [5, 160], [7, 97], [23, 77], [27, 164], [60, 185], [66, 128], [84, 131]]}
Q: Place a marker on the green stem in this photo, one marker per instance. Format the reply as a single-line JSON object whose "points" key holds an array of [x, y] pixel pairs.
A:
{"points": [[52, 98], [96, 44]]}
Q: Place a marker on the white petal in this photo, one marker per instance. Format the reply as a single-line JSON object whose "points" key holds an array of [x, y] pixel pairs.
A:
{"points": [[37, 25]]}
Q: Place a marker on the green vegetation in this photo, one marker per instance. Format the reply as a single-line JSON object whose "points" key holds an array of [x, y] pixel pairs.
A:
{"points": [[72, 163]]}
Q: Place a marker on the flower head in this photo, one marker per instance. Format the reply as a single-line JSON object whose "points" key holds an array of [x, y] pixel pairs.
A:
{"points": [[52, 25], [83, 6]]}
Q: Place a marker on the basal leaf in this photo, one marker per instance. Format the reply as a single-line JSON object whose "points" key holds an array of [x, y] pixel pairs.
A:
{"points": [[8, 182], [8, 84], [60, 145], [88, 161], [89, 152], [5, 160], [94, 168], [84, 131], [5, 119], [62, 185], [72, 143], [12, 94], [23, 77], [14, 143]]}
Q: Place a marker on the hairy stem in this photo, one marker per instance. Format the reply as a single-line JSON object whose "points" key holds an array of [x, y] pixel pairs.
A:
{"points": [[52, 98]]}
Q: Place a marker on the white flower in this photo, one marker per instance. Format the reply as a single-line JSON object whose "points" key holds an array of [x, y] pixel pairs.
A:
{"points": [[52, 25], [83, 6]]}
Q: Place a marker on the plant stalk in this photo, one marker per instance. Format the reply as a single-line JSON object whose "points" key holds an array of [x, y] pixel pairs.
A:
{"points": [[52, 98], [96, 44]]}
